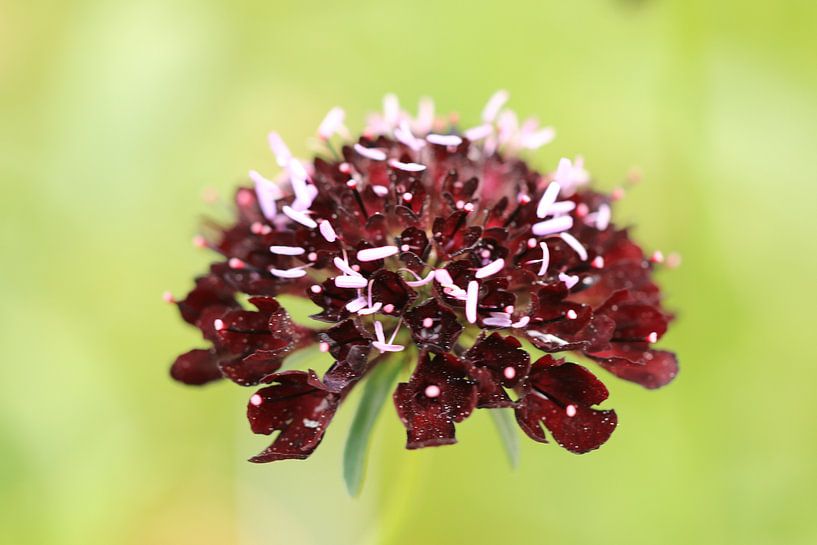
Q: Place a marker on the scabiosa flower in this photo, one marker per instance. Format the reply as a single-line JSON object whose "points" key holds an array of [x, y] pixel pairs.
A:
{"points": [[438, 249]]}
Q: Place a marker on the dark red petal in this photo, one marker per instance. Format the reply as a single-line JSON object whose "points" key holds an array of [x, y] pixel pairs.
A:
{"points": [[252, 369], [498, 363], [343, 336], [332, 300], [429, 414], [210, 291], [346, 372], [586, 430], [567, 383], [658, 369], [196, 367], [560, 397], [444, 330], [296, 407], [242, 332], [389, 289]]}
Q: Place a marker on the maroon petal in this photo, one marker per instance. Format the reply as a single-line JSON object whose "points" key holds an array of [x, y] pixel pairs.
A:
{"points": [[210, 291], [439, 393], [332, 300], [560, 397], [252, 369], [391, 291], [196, 367], [634, 321], [656, 369], [243, 332], [296, 406], [434, 326], [498, 362]]}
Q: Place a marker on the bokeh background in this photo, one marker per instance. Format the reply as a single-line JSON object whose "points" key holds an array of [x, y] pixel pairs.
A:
{"points": [[117, 116]]}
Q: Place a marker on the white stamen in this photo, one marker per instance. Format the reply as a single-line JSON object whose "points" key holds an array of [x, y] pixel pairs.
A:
{"points": [[370, 310], [522, 322], [598, 262], [421, 282], [287, 250], [543, 268], [384, 347], [496, 321], [350, 282], [479, 132], [388, 309], [495, 103], [570, 410], [575, 244], [570, 280], [652, 337], [491, 268], [432, 391], [312, 256], [562, 207], [332, 123], [356, 304], [218, 324], [391, 110], [425, 115], [296, 272], [531, 243], [442, 276], [571, 314], [548, 198], [471, 301], [256, 400], [564, 172], [373, 254], [279, 149], [327, 231], [371, 153], [298, 178], [407, 196], [235, 263], [343, 265], [538, 138], [603, 217], [404, 135], [444, 139], [408, 167], [657, 257], [168, 297], [267, 193], [378, 331], [316, 288], [323, 346], [509, 372], [428, 322], [299, 217], [552, 226]]}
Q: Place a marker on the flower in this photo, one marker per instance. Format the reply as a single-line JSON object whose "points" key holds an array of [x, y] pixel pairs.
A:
{"points": [[435, 247]]}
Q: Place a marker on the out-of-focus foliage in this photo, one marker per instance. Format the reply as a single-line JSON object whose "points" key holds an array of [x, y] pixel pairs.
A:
{"points": [[116, 115]]}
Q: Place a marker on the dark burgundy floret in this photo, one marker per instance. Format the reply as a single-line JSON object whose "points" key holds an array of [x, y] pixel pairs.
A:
{"points": [[434, 326], [420, 241], [560, 397], [196, 367], [299, 407], [497, 363], [439, 393]]}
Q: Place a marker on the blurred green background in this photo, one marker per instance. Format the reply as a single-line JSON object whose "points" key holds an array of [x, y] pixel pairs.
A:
{"points": [[115, 117]]}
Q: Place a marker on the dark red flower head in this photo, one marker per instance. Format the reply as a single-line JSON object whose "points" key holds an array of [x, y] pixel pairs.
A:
{"points": [[439, 247]]}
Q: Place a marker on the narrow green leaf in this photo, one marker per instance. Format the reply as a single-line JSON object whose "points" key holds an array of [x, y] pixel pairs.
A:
{"points": [[377, 390], [506, 427]]}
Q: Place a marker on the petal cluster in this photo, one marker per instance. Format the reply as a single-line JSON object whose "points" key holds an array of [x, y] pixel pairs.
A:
{"points": [[438, 246]]}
